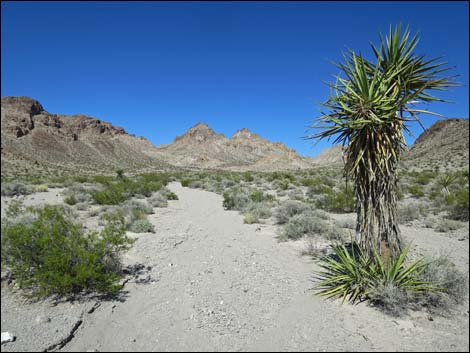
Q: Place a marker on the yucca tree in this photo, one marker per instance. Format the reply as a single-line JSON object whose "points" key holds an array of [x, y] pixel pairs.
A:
{"points": [[367, 111]]}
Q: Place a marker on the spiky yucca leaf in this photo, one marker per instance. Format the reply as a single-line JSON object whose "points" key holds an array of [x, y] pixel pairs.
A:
{"points": [[351, 274]]}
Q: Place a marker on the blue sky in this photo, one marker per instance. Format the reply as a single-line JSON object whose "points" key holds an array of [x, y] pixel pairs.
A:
{"points": [[158, 68]]}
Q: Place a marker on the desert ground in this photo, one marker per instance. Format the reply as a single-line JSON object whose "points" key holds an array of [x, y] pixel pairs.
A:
{"points": [[207, 281]]}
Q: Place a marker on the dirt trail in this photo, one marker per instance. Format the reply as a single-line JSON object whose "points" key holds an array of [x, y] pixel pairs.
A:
{"points": [[208, 282], [216, 284]]}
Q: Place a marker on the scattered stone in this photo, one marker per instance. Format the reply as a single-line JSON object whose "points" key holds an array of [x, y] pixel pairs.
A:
{"points": [[41, 319], [7, 337]]}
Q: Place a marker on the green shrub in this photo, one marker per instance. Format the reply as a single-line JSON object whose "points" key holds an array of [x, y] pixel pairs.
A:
{"points": [[296, 194], [15, 189], [308, 224], [70, 200], [120, 173], [415, 191], [288, 209], [41, 188], [158, 200], [236, 199], [52, 256], [142, 226], [171, 196], [118, 191], [259, 210], [458, 209], [248, 177], [341, 201], [185, 182], [249, 218]]}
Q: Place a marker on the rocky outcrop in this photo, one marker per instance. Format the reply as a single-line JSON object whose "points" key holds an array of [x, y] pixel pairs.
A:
{"points": [[34, 139], [445, 145]]}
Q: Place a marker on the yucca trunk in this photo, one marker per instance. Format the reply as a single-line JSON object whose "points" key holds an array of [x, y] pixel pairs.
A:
{"points": [[375, 182]]}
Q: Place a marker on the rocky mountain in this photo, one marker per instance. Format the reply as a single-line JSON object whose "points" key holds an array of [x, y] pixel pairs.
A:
{"points": [[34, 139], [202, 147], [445, 144]]}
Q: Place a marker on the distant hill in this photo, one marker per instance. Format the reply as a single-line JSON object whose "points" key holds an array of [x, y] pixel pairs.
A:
{"points": [[202, 147], [445, 144], [36, 141], [33, 139]]}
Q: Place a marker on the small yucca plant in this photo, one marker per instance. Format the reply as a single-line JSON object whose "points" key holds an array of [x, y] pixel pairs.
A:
{"points": [[351, 273]]}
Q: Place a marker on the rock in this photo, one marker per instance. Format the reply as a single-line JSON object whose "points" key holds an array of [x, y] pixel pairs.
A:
{"points": [[41, 319], [7, 337]]}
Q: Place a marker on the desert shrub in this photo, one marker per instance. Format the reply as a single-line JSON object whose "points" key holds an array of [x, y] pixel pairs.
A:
{"points": [[185, 182], [41, 188], [112, 195], [140, 205], [142, 226], [424, 178], [158, 200], [53, 256], [171, 196], [307, 224], [71, 200], [415, 191], [82, 206], [226, 183], [120, 173], [296, 194], [248, 177], [288, 209], [236, 199], [447, 225], [281, 184], [118, 191], [341, 201], [445, 275], [389, 298], [346, 223], [410, 211], [458, 209], [16, 213], [249, 218], [196, 184], [312, 247], [259, 210], [15, 189]]}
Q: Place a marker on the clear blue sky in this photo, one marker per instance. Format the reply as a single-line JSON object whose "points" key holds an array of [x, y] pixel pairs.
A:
{"points": [[157, 68]]}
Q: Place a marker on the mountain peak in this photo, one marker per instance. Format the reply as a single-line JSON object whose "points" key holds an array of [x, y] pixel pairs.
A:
{"points": [[23, 104], [199, 133]]}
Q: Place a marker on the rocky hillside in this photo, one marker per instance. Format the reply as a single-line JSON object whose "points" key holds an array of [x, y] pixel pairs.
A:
{"points": [[445, 144], [34, 140], [202, 147]]}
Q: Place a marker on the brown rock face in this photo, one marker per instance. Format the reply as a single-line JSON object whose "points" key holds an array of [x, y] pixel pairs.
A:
{"points": [[444, 145], [18, 113], [33, 139]]}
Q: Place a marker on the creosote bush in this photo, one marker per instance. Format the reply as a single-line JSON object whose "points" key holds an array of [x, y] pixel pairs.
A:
{"points": [[142, 226], [288, 209], [53, 256]]}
